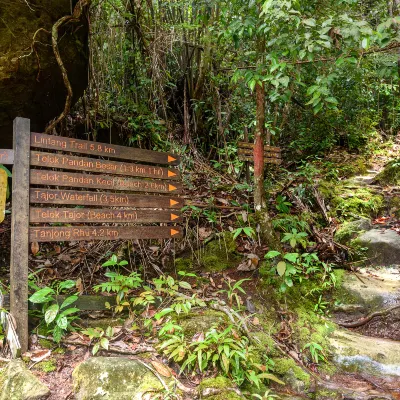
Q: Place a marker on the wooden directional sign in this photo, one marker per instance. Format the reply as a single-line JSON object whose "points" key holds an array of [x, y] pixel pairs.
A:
{"points": [[53, 178], [3, 193], [102, 199], [42, 141], [63, 161], [61, 234], [272, 155], [98, 191], [79, 215]]}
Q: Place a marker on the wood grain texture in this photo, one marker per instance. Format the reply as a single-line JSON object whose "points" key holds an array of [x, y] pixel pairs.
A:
{"points": [[53, 178], [63, 161], [105, 199], [20, 231], [67, 234], [267, 154], [266, 147], [42, 141], [98, 215], [276, 161]]}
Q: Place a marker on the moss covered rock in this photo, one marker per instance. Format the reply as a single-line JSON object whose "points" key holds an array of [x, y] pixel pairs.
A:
{"points": [[113, 378], [18, 383], [350, 230], [390, 174], [219, 388], [350, 202], [29, 89], [201, 322], [293, 375], [216, 256]]}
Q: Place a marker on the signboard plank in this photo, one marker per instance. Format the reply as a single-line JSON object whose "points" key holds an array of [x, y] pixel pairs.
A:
{"points": [[266, 160], [62, 234], [267, 154], [102, 199], [43, 141], [266, 147], [62, 161], [53, 178], [7, 156], [94, 215]]}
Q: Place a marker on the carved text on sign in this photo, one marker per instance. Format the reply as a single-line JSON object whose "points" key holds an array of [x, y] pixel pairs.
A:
{"points": [[52, 196], [49, 142], [58, 234], [96, 165], [71, 215], [39, 177]]}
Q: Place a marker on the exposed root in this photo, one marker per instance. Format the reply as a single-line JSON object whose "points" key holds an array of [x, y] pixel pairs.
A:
{"points": [[76, 15], [365, 320], [111, 349]]}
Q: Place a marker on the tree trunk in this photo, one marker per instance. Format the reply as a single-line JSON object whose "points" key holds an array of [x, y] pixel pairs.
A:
{"points": [[259, 138], [267, 233]]}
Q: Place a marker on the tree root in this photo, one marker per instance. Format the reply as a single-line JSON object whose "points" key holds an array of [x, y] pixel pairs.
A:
{"points": [[369, 317], [76, 15], [141, 350]]}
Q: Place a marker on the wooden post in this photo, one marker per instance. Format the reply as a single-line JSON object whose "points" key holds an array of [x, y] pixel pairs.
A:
{"points": [[20, 230]]}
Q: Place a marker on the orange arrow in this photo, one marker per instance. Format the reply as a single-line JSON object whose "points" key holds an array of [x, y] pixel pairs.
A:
{"points": [[174, 232], [171, 188], [172, 202], [171, 159], [171, 173], [173, 217]]}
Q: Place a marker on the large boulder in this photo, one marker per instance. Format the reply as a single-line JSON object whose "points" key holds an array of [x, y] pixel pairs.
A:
{"points": [[363, 354], [383, 246], [31, 83], [18, 383], [114, 378]]}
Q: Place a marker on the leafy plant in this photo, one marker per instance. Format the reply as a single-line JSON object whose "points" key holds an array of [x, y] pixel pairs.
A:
{"points": [[232, 292], [282, 205], [121, 285], [58, 318], [316, 352], [295, 238], [100, 337], [293, 267], [268, 395], [113, 262], [231, 354], [248, 231]]}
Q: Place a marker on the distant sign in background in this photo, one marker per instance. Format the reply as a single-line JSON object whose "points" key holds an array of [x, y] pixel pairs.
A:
{"points": [[99, 191]]}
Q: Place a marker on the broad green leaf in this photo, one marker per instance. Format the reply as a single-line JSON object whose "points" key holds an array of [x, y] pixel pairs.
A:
{"points": [[185, 285], [51, 313], [281, 268], [42, 296], [292, 257], [67, 285], [104, 342], [272, 254], [309, 22], [62, 322], [68, 301]]}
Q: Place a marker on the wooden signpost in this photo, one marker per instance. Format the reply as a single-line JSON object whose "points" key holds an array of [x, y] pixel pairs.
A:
{"points": [[96, 203], [272, 155]]}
